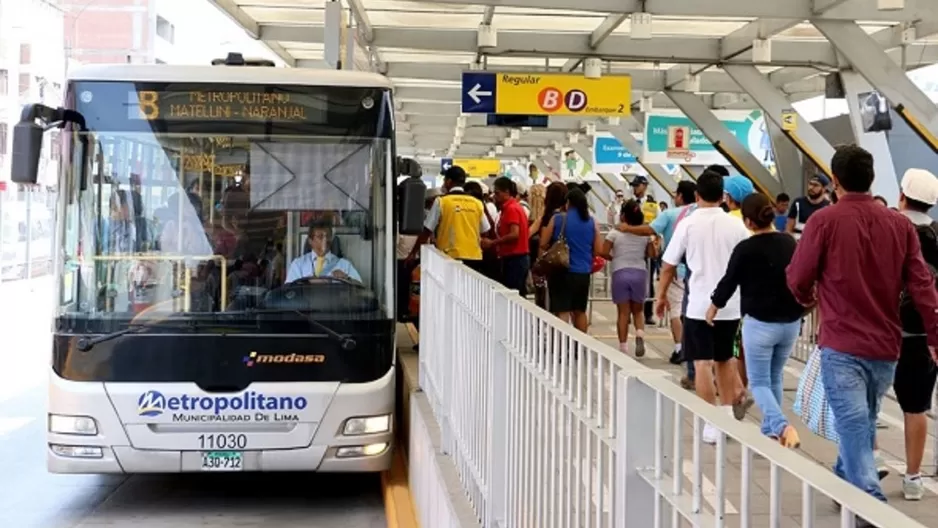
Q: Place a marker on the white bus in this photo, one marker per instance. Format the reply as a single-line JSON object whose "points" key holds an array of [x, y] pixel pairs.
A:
{"points": [[224, 260]]}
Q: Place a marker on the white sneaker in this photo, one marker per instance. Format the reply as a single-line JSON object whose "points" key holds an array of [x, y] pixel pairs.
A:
{"points": [[710, 434], [912, 488]]}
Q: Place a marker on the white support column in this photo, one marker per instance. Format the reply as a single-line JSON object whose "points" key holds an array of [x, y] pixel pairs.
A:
{"points": [[350, 34], [332, 33], [634, 500], [497, 511], [886, 183], [868, 58], [777, 108], [725, 142]]}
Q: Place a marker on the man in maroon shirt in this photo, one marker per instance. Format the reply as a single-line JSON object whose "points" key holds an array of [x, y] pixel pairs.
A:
{"points": [[853, 257], [512, 232]]}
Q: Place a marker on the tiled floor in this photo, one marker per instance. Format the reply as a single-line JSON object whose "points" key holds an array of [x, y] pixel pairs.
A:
{"points": [[659, 347]]}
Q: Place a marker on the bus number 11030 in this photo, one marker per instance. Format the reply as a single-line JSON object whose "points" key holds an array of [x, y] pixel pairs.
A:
{"points": [[223, 441]]}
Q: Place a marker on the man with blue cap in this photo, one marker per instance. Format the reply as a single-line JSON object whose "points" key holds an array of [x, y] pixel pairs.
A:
{"points": [[737, 188]]}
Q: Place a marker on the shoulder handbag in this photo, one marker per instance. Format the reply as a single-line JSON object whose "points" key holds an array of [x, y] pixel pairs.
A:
{"points": [[557, 256]]}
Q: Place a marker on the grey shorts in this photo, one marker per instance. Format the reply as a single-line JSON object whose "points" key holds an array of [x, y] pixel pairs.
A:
{"points": [[676, 298]]}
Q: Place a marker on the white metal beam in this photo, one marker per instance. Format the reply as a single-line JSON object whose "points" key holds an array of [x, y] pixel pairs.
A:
{"points": [[804, 136], [366, 29], [740, 40], [643, 80], [601, 33], [250, 26], [793, 9], [687, 50], [889, 39], [823, 6], [868, 59], [488, 15], [728, 144]]}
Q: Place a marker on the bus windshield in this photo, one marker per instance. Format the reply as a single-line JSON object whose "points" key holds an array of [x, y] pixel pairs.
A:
{"points": [[202, 202]]}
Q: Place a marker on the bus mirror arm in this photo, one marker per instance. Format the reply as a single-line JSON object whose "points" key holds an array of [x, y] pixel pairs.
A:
{"points": [[35, 119]]}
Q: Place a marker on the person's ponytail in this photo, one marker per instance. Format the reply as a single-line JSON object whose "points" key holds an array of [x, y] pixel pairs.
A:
{"points": [[577, 199], [758, 209]]}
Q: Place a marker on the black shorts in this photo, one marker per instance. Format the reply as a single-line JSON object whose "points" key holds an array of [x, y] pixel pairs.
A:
{"points": [[568, 292], [703, 342], [915, 376]]}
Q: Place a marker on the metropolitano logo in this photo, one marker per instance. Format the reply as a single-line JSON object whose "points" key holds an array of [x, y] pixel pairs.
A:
{"points": [[151, 403]]}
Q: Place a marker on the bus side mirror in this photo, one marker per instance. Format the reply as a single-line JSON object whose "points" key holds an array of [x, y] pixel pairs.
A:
{"points": [[408, 167], [27, 145], [412, 195]]}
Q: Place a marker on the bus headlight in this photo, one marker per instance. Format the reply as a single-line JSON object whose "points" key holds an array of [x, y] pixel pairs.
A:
{"points": [[77, 451], [367, 425], [361, 451], [72, 425]]}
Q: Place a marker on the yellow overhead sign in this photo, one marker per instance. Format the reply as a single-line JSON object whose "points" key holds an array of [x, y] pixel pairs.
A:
{"points": [[789, 120], [563, 94], [480, 168]]}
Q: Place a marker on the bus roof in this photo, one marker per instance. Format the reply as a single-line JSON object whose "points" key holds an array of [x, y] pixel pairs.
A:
{"points": [[227, 74]]}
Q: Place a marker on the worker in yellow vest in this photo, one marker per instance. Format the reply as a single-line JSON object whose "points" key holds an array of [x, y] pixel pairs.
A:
{"points": [[457, 222]]}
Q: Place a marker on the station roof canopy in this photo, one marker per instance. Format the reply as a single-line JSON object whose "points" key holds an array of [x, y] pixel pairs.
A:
{"points": [[424, 46]]}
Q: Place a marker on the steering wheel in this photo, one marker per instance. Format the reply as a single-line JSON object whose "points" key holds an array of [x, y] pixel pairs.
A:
{"points": [[314, 280]]}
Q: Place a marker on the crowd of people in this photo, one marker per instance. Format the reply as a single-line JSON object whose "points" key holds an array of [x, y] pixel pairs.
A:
{"points": [[739, 273]]}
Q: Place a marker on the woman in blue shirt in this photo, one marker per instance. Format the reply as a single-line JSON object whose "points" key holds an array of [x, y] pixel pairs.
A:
{"points": [[568, 290]]}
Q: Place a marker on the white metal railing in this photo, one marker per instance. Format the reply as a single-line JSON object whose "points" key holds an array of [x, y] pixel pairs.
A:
{"points": [[548, 427], [807, 340], [432, 474]]}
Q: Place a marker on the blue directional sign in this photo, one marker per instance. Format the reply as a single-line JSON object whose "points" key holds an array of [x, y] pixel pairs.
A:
{"points": [[478, 92], [445, 164], [609, 151]]}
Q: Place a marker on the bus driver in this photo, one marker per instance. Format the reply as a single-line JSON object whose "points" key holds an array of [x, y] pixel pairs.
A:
{"points": [[320, 262]]}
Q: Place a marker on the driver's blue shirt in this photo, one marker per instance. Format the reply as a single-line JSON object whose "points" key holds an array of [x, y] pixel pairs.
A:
{"points": [[305, 266]]}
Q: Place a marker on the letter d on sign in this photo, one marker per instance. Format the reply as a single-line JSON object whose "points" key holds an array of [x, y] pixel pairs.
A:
{"points": [[575, 100]]}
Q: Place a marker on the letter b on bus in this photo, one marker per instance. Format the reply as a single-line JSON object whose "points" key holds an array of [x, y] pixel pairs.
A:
{"points": [[149, 103]]}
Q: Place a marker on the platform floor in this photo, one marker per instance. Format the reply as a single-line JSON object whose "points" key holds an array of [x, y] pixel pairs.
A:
{"points": [[659, 346]]}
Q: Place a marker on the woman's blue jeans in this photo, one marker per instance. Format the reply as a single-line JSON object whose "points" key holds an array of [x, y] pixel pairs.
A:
{"points": [[768, 346]]}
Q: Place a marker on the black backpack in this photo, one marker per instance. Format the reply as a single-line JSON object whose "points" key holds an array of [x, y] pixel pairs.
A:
{"points": [[908, 313]]}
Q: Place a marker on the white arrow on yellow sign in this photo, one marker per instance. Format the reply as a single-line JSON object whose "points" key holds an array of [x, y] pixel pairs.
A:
{"points": [[789, 120]]}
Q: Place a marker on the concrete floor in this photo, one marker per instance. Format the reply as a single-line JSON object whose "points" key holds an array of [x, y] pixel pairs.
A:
{"points": [[889, 435], [32, 498]]}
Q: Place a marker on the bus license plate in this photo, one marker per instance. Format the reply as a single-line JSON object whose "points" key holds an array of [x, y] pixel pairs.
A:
{"points": [[222, 461]]}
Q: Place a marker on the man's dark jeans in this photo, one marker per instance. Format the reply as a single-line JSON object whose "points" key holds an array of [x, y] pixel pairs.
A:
{"points": [[514, 274]]}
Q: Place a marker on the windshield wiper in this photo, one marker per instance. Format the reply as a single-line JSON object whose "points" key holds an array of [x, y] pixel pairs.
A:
{"points": [[85, 344], [345, 341]]}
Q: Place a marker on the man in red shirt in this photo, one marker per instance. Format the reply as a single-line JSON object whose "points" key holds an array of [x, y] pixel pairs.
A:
{"points": [[512, 234], [855, 255]]}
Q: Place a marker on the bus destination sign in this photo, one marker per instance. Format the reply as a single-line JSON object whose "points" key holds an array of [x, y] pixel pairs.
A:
{"points": [[219, 105]]}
